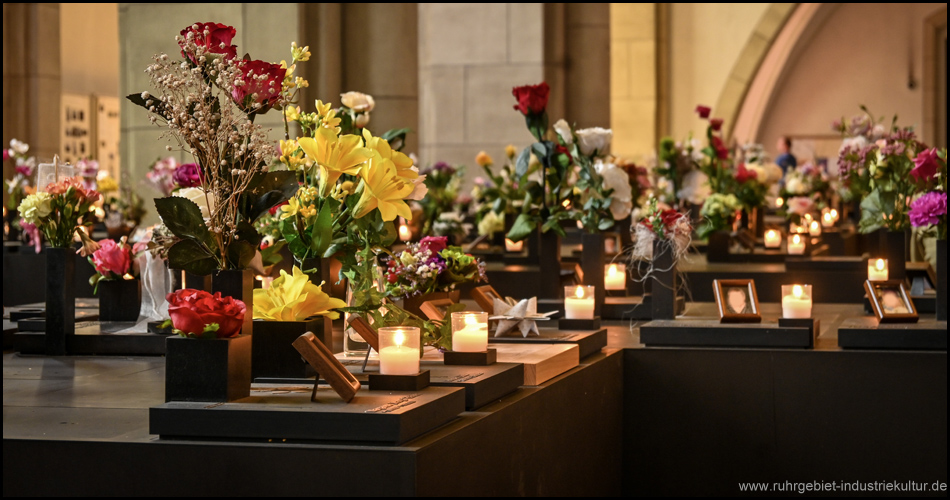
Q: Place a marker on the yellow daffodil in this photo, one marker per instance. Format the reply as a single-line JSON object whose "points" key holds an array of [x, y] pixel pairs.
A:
{"points": [[402, 162], [334, 156], [383, 189], [294, 298]]}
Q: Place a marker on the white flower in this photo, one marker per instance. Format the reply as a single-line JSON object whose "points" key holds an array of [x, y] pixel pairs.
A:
{"points": [[774, 173], [800, 205], [760, 174], [19, 147], [855, 143], [594, 140], [362, 120], [794, 185], [197, 195], [491, 223], [695, 188], [564, 130], [358, 101], [621, 202]]}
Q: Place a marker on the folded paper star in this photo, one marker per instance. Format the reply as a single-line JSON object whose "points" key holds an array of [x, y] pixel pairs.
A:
{"points": [[522, 315]]}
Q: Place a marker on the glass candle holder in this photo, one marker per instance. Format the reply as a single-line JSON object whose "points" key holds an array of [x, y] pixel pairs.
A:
{"points": [[514, 246], [399, 350], [773, 239], [877, 269], [48, 173], [405, 234], [814, 228], [828, 218], [796, 301], [796, 244], [469, 331], [615, 277], [579, 302]]}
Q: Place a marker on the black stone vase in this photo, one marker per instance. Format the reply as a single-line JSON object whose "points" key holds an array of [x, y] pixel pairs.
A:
{"points": [[207, 370], [758, 218], [318, 269], [272, 352], [942, 280], [239, 284], [592, 263], [60, 299], [894, 249], [666, 281], [717, 250], [119, 300], [549, 261]]}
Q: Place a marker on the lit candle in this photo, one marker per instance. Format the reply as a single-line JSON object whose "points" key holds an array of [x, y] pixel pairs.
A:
{"points": [[796, 301], [795, 228], [814, 228], [773, 239], [827, 218], [796, 245], [615, 277], [834, 215], [514, 246], [399, 356], [779, 202], [404, 233], [579, 302], [469, 332], [877, 269]]}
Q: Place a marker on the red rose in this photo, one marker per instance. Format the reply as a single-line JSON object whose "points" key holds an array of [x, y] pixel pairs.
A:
{"points": [[721, 152], [434, 244], [716, 124], [258, 87], [564, 151], [192, 310], [112, 260], [744, 174], [925, 165], [211, 38], [532, 99], [703, 111], [669, 217]]}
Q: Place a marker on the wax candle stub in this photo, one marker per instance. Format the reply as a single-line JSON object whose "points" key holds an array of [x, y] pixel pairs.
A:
{"points": [[399, 350], [513, 246], [579, 302], [796, 245], [469, 331], [796, 301], [814, 228], [615, 277], [404, 233], [773, 239]]}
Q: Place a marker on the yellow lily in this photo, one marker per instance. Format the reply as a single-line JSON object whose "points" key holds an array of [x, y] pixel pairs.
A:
{"points": [[290, 209], [334, 156], [402, 162], [383, 188], [294, 298], [328, 117]]}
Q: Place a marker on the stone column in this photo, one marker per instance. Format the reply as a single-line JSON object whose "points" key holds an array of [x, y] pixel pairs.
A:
{"points": [[633, 79]]}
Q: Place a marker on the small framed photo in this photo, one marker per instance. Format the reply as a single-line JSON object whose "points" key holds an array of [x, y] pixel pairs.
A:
{"points": [[737, 301], [890, 301], [436, 309], [485, 297]]}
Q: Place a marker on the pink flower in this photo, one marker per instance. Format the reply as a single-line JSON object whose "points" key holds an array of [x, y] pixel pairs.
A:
{"points": [[25, 169], [703, 111], [258, 88], [112, 259], [6, 154], [192, 310], [925, 165], [434, 244], [213, 38], [928, 209], [800, 205], [187, 175]]}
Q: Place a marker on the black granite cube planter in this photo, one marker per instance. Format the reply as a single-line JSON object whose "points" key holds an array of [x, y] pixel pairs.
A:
{"points": [[592, 263], [207, 370], [416, 382], [666, 282], [239, 284], [119, 300], [549, 261], [941, 280], [894, 248], [273, 354], [60, 299]]}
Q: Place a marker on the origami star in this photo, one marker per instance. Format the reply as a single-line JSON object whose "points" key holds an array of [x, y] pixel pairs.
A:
{"points": [[521, 315]]}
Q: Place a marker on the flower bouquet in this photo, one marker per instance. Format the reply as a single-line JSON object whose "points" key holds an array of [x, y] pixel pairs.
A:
{"points": [[431, 266], [115, 281], [718, 213], [440, 207], [805, 191], [292, 297], [62, 212], [19, 187], [199, 314], [662, 237]]}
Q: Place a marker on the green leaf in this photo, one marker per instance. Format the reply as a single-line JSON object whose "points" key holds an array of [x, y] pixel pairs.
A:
{"points": [[189, 255], [396, 137], [267, 190], [389, 234], [248, 233], [523, 162], [240, 253], [183, 218], [605, 224], [523, 227], [322, 230]]}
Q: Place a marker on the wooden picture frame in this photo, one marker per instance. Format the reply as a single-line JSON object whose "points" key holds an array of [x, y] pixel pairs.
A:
{"points": [[365, 330], [485, 297], [737, 301], [890, 301], [327, 366], [436, 309]]}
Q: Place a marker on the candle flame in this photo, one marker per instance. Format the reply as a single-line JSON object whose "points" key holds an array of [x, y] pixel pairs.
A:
{"points": [[127, 276], [834, 213], [566, 204], [399, 337], [879, 265], [797, 291], [470, 319], [797, 239], [612, 270], [771, 234], [779, 202], [814, 225], [828, 217], [579, 293]]}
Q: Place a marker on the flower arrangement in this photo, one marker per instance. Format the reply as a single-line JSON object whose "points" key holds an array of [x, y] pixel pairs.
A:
{"points": [[199, 314], [805, 191], [929, 210], [61, 211], [161, 175], [208, 102], [24, 169], [442, 182], [689, 172], [431, 266], [497, 195], [113, 261], [718, 213], [664, 224], [292, 297]]}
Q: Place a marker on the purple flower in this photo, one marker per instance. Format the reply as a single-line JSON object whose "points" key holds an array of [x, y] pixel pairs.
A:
{"points": [[928, 209], [188, 175]]}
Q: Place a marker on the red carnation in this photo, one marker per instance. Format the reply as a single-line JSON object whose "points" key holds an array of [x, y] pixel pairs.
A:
{"points": [[532, 99], [434, 244], [669, 217], [192, 310], [703, 111], [217, 40]]}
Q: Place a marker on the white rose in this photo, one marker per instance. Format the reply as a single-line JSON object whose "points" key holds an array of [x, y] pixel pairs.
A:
{"points": [[596, 139], [695, 188], [564, 130], [621, 202], [197, 195], [358, 101], [19, 147]]}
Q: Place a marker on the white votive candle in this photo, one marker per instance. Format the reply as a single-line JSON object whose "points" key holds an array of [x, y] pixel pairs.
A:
{"points": [[514, 246], [796, 245], [399, 350], [615, 277], [796, 301], [814, 228], [469, 331], [877, 269], [773, 239], [404, 233], [827, 218], [579, 302]]}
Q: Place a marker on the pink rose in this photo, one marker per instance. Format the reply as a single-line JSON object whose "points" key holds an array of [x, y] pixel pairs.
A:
{"points": [[800, 205], [217, 40], [258, 88], [192, 310], [434, 244], [112, 259], [925, 165]]}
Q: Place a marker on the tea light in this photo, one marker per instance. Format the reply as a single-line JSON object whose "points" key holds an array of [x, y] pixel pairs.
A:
{"points": [[579, 302], [827, 218], [814, 228], [834, 214], [773, 239], [877, 269], [514, 246], [796, 301], [469, 331], [404, 233], [779, 202], [399, 350], [615, 277], [796, 245], [795, 228]]}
